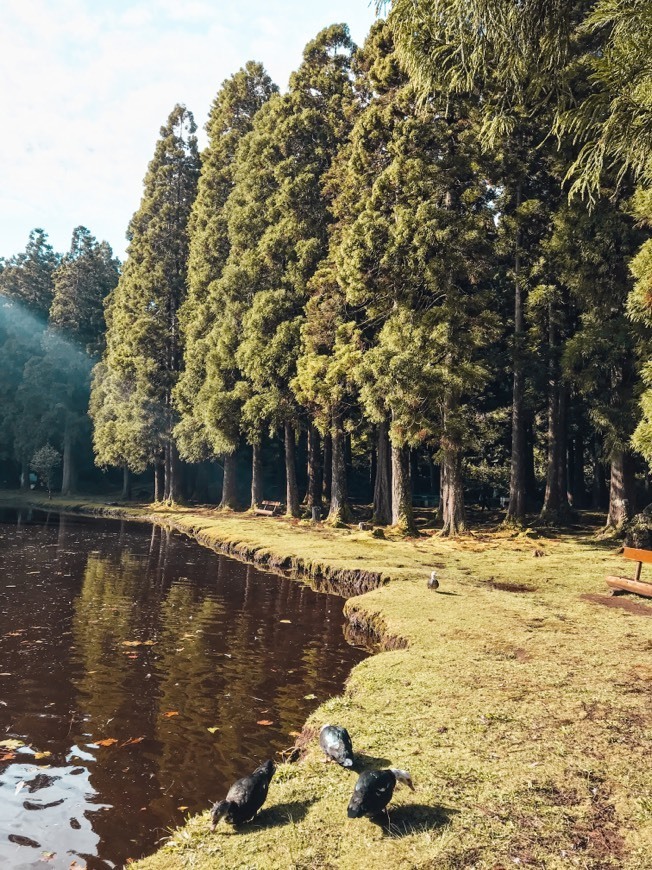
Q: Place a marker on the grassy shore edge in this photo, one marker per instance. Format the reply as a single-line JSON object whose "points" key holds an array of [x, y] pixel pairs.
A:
{"points": [[511, 695]]}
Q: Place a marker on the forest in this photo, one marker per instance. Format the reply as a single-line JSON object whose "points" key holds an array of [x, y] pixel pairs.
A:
{"points": [[421, 274]]}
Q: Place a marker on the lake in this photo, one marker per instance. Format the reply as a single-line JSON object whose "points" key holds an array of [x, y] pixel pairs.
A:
{"points": [[140, 674]]}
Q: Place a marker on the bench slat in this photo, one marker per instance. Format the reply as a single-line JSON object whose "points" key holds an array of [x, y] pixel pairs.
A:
{"points": [[630, 585], [638, 555]]}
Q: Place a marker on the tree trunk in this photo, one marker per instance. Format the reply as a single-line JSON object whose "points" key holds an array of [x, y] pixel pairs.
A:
{"points": [[339, 508], [175, 488], [126, 483], [24, 475], [256, 474], [622, 493], [229, 484], [313, 492], [382, 515], [555, 501], [291, 488], [158, 481], [68, 472], [452, 493], [530, 474], [516, 508], [578, 484], [167, 473], [402, 513], [328, 465]]}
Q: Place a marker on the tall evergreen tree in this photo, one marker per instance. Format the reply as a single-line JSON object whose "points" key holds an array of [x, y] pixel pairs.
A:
{"points": [[415, 259], [27, 277], [201, 433], [143, 354]]}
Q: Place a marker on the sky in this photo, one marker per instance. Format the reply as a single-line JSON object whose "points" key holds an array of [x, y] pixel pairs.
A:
{"points": [[88, 83]]}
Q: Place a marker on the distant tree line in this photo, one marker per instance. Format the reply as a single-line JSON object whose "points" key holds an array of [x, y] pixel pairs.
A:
{"points": [[371, 284]]}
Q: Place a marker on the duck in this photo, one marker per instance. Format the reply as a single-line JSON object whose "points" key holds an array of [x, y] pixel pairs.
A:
{"points": [[374, 790], [336, 743], [245, 797]]}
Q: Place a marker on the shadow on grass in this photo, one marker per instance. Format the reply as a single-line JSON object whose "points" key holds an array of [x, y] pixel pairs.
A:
{"points": [[278, 815], [368, 762], [406, 819]]}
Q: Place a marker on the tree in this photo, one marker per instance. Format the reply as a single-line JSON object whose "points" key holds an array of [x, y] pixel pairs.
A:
{"points": [[278, 221], [200, 433], [81, 284], [27, 277], [143, 354], [44, 463], [414, 259]]}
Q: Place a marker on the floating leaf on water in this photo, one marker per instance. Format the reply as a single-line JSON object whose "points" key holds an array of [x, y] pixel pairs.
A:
{"points": [[45, 754], [11, 744], [213, 729], [310, 697], [288, 621], [264, 722], [7, 756], [20, 786], [171, 713], [108, 741], [294, 733], [132, 741], [48, 856], [182, 808]]}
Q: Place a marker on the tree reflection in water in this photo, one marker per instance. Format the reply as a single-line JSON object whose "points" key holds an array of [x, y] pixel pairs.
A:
{"points": [[145, 637]]}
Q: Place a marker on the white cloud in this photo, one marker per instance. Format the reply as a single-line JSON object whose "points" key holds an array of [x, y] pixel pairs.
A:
{"points": [[86, 86]]}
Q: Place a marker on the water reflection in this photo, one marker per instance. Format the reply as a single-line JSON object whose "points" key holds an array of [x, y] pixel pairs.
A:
{"points": [[136, 670]]}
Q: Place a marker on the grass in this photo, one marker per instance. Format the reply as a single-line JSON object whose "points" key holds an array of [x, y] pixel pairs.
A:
{"points": [[524, 717]]}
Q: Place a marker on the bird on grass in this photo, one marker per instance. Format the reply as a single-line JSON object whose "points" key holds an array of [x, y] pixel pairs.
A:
{"points": [[374, 790], [336, 743], [433, 583], [245, 797]]}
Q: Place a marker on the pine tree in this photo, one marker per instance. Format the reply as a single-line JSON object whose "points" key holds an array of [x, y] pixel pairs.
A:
{"points": [[415, 259], [143, 355], [202, 313], [27, 277], [278, 223], [82, 282]]}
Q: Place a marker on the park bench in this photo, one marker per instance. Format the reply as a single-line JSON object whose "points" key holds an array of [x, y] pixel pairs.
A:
{"points": [[633, 584], [269, 508]]}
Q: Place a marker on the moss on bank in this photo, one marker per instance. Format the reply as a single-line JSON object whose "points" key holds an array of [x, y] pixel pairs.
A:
{"points": [[521, 707]]}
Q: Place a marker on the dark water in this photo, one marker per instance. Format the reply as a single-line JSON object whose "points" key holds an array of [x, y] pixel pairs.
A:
{"points": [[118, 632]]}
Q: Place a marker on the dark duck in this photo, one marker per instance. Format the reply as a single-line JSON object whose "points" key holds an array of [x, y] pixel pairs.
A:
{"points": [[245, 797], [336, 743], [374, 790]]}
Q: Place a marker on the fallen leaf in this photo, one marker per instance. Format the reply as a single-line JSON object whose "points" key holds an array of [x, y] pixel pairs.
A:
{"points": [[294, 733], [213, 729], [132, 741], [108, 741], [45, 754], [264, 722], [48, 856], [310, 697], [287, 621], [11, 744], [171, 713], [8, 756], [182, 808]]}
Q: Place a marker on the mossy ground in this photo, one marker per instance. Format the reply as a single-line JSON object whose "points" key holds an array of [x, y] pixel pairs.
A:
{"points": [[524, 717]]}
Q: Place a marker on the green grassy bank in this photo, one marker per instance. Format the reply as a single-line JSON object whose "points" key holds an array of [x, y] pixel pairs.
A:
{"points": [[521, 705]]}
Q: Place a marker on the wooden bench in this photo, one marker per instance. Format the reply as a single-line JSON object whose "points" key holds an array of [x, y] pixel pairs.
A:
{"points": [[633, 584], [269, 508]]}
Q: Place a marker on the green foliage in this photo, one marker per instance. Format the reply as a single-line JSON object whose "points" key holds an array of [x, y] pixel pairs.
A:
{"points": [[143, 352], [27, 277], [44, 463], [208, 408]]}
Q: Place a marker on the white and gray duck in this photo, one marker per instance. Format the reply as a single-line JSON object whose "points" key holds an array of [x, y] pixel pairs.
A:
{"points": [[336, 744], [374, 790], [245, 797]]}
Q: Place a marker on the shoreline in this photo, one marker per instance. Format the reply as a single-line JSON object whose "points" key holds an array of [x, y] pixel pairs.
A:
{"points": [[515, 701]]}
